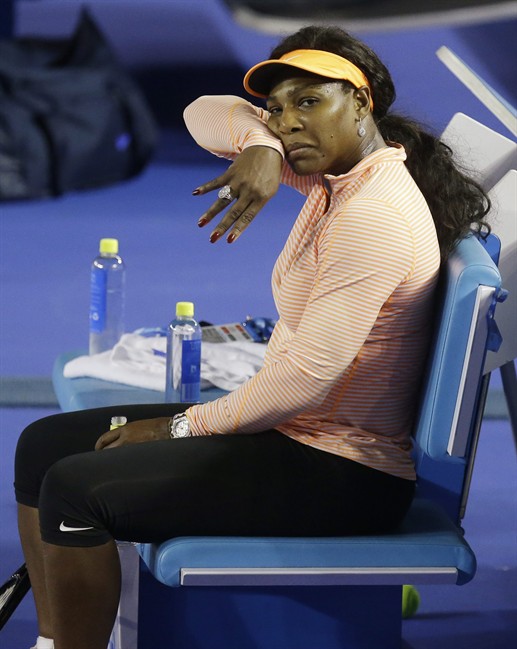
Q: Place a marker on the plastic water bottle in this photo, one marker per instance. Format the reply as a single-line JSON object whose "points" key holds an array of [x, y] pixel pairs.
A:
{"points": [[183, 356], [107, 289]]}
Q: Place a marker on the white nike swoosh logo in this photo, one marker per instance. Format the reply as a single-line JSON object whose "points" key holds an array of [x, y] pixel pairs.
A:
{"points": [[65, 528]]}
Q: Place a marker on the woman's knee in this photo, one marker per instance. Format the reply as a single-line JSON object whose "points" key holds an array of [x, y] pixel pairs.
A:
{"points": [[45, 442], [31, 462], [69, 510]]}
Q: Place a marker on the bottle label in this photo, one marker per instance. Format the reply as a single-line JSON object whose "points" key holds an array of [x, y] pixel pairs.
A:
{"points": [[98, 283], [190, 361]]}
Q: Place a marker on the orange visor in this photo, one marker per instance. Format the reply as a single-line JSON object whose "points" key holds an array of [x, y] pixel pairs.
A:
{"points": [[257, 80]]}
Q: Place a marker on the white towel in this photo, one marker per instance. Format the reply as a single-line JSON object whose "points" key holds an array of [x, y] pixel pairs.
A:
{"points": [[139, 361]]}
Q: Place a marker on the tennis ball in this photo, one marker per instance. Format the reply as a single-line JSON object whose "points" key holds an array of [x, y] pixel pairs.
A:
{"points": [[410, 601]]}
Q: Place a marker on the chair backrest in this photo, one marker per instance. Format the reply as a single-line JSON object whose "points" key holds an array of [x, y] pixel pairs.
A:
{"points": [[452, 400]]}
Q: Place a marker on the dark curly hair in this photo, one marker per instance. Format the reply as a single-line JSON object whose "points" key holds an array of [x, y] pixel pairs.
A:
{"points": [[457, 203]]}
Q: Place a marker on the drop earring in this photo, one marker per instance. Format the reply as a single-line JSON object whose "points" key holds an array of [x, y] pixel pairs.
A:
{"points": [[361, 131]]}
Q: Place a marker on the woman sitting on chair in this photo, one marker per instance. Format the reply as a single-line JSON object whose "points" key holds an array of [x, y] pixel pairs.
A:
{"points": [[318, 442]]}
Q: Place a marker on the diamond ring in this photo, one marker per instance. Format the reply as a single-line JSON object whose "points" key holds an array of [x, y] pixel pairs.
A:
{"points": [[225, 193]]}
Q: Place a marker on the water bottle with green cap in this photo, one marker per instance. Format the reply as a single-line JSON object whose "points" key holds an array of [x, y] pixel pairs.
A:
{"points": [[107, 287], [183, 367]]}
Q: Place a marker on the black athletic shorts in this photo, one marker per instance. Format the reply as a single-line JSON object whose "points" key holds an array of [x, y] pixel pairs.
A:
{"points": [[264, 484]]}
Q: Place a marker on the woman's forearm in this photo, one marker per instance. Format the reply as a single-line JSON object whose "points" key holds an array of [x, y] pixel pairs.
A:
{"points": [[226, 124]]}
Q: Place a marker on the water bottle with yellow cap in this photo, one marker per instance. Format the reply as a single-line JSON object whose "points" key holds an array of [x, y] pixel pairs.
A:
{"points": [[183, 356], [107, 287]]}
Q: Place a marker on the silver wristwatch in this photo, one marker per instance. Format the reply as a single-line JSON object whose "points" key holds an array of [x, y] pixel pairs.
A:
{"points": [[179, 426]]}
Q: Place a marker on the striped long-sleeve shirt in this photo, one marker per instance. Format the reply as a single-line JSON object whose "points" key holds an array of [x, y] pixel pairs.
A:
{"points": [[354, 289]]}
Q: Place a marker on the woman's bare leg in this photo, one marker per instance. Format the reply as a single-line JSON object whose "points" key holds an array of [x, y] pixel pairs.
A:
{"points": [[83, 586], [28, 525]]}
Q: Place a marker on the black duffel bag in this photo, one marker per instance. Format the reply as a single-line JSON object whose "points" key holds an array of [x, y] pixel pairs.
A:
{"points": [[71, 118]]}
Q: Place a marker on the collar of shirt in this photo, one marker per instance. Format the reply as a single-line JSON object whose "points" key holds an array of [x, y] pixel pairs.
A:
{"points": [[391, 153]]}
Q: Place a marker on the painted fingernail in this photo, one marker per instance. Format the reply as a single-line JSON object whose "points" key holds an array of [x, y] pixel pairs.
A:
{"points": [[231, 238], [214, 236], [202, 221], [196, 192]]}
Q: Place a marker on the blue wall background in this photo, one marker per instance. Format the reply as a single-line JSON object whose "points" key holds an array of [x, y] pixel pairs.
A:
{"points": [[187, 47]]}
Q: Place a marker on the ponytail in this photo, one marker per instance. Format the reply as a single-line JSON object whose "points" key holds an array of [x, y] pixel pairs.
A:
{"points": [[456, 201]]}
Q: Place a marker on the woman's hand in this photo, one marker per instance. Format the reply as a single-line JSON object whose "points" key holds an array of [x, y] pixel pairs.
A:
{"points": [[145, 430], [253, 178]]}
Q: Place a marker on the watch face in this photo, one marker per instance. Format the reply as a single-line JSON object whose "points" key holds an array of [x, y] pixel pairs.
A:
{"points": [[181, 428]]}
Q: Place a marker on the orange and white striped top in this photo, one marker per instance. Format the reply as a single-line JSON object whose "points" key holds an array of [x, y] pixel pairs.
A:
{"points": [[354, 289]]}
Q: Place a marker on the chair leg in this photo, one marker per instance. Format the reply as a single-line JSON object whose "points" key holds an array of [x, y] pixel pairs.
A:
{"points": [[125, 631], [509, 380]]}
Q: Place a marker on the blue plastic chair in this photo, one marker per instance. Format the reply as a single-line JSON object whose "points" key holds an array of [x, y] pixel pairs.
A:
{"points": [[335, 593]]}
